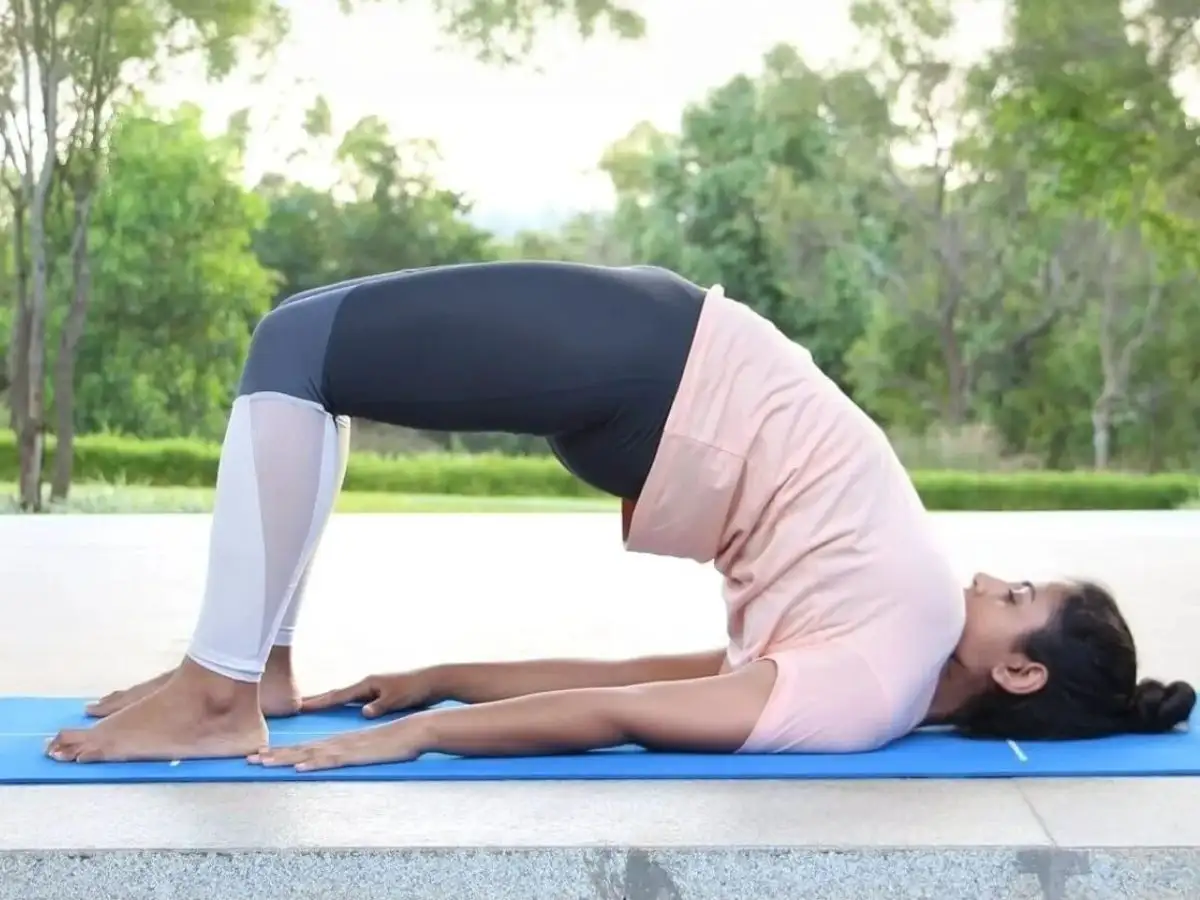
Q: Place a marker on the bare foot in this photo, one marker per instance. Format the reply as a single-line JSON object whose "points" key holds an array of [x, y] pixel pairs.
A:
{"points": [[195, 715], [278, 693], [278, 697], [118, 700]]}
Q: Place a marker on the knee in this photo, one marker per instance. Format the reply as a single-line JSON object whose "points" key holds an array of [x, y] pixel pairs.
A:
{"points": [[271, 332], [286, 352]]}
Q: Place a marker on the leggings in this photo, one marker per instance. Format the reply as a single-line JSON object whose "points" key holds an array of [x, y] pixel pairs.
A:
{"points": [[588, 357]]}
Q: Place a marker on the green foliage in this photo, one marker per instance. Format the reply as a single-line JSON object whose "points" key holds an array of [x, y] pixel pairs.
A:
{"points": [[769, 189], [1011, 243], [169, 328], [189, 463], [1009, 246], [1054, 490], [181, 462], [394, 216], [505, 31]]}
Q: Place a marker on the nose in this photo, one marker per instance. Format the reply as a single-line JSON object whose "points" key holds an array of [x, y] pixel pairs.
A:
{"points": [[982, 582]]}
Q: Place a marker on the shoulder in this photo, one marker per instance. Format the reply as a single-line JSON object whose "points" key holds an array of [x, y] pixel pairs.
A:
{"points": [[826, 698]]}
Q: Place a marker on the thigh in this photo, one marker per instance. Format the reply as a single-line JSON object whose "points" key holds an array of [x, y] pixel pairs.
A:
{"points": [[550, 349]]}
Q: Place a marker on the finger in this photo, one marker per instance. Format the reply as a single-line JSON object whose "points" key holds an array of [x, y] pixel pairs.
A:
{"points": [[280, 756], [319, 759], [355, 693], [338, 754], [379, 707]]}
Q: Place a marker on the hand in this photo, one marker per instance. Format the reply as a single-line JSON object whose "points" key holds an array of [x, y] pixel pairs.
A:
{"points": [[393, 742], [380, 694]]}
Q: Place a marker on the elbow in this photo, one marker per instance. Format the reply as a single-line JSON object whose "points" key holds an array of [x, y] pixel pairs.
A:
{"points": [[622, 716]]}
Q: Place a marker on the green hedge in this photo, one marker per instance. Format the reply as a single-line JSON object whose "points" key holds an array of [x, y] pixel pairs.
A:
{"points": [[189, 463], [1054, 490]]}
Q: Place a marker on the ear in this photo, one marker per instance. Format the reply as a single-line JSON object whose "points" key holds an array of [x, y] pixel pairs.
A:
{"points": [[1020, 675]]}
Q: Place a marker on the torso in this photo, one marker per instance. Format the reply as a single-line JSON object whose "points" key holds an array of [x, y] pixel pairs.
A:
{"points": [[768, 470]]}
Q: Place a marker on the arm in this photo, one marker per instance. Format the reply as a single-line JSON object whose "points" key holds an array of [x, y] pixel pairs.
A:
{"points": [[487, 682], [716, 713]]}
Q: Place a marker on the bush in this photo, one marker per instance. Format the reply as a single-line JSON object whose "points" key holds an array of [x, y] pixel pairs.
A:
{"points": [[1054, 490], [185, 463]]}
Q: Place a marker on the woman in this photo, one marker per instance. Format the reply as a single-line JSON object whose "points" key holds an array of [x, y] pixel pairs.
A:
{"points": [[726, 444]]}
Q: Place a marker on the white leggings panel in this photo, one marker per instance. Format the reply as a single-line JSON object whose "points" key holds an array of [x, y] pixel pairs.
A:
{"points": [[282, 465]]}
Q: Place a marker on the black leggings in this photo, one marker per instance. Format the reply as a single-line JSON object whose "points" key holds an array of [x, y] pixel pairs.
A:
{"points": [[588, 357]]}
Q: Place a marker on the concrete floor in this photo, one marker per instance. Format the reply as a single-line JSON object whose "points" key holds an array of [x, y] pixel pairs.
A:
{"points": [[95, 603]]}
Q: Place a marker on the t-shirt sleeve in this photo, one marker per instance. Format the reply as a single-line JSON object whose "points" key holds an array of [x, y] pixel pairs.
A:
{"points": [[826, 699]]}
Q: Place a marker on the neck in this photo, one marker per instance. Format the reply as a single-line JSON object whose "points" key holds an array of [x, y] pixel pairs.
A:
{"points": [[956, 688]]}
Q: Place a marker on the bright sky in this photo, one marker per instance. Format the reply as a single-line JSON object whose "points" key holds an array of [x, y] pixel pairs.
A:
{"points": [[521, 141]]}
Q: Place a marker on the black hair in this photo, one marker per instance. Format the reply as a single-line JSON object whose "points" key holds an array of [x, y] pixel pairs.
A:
{"points": [[1091, 689]]}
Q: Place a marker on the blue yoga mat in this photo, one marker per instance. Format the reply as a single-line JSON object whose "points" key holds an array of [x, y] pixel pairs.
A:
{"points": [[27, 722]]}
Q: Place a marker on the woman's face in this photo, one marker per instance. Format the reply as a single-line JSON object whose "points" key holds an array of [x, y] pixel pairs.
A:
{"points": [[999, 616]]}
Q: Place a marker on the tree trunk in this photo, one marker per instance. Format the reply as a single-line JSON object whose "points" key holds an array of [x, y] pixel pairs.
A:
{"points": [[1101, 434], [64, 369], [32, 431], [18, 348], [957, 386], [32, 434], [958, 376]]}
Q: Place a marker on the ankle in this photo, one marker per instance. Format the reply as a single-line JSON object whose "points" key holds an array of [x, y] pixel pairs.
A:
{"points": [[279, 662], [216, 693]]}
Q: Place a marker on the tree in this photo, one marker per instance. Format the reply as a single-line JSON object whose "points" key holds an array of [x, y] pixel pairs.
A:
{"points": [[164, 348], [767, 189], [968, 291], [35, 68], [1082, 96], [98, 50], [90, 51], [386, 212], [504, 32], [587, 237]]}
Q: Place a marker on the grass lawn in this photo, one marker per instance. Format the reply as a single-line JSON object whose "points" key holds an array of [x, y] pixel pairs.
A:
{"points": [[107, 498]]}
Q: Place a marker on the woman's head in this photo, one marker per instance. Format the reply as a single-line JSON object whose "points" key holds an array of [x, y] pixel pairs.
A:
{"points": [[1057, 661]]}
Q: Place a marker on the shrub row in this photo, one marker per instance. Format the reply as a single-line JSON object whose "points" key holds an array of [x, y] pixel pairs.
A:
{"points": [[179, 463], [1054, 490]]}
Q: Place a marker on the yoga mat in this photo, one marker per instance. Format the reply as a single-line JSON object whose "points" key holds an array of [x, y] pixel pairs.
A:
{"points": [[27, 722]]}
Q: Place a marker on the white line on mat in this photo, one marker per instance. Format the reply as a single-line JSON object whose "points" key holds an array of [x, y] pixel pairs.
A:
{"points": [[1017, 751]]}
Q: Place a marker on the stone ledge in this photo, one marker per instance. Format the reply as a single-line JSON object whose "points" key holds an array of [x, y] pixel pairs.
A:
{"points": [[605, 874]]}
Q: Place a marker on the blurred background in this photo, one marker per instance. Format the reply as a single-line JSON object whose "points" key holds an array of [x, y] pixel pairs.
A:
{"points": [[980, 216]]}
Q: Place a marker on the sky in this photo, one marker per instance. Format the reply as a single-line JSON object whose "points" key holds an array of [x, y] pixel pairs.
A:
{"points": [[520, 141]]}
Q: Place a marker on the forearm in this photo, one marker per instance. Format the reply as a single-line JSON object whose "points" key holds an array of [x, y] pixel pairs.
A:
{"points": [[487, 682], [712, 713], [554, 722]]}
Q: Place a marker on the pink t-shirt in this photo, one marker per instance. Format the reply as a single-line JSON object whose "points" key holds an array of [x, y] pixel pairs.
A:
{"points": [[831, 567]]}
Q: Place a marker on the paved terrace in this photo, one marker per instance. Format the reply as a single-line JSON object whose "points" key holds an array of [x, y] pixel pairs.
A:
{"points": [[92, 603]]}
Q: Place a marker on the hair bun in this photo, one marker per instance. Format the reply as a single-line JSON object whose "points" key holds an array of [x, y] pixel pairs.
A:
{"points": [[1160, 707]]}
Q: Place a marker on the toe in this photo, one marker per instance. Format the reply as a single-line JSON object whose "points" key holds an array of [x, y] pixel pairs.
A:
{"points": [[104, 704], [90, 755], [65, 746]]}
